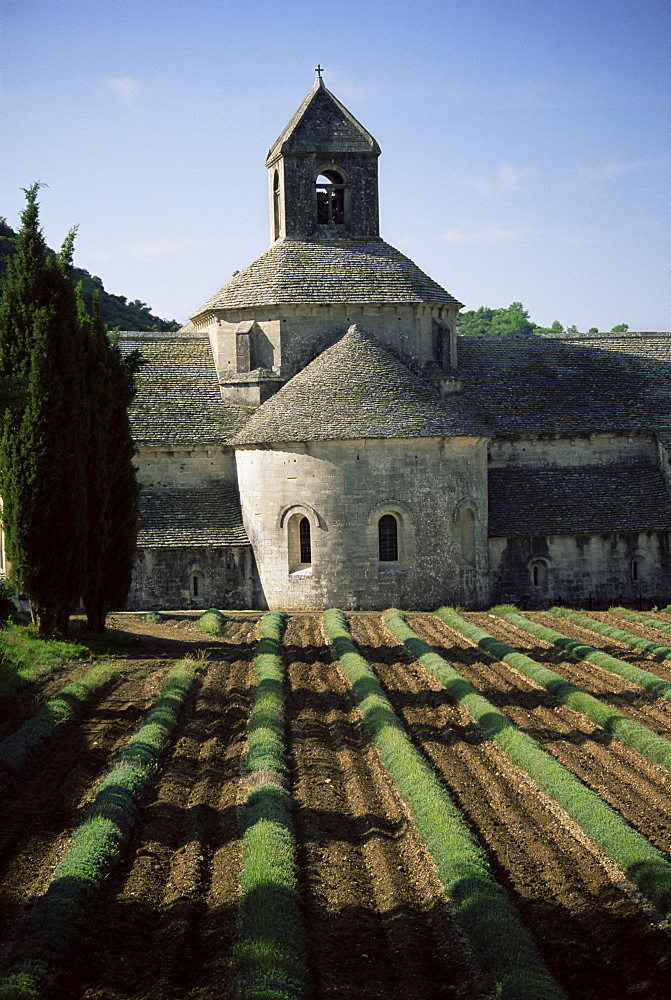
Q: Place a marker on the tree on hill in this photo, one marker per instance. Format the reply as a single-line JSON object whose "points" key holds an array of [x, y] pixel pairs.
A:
{"points": [[495, 322], [512, 320], [42, 467], [115, 310]]}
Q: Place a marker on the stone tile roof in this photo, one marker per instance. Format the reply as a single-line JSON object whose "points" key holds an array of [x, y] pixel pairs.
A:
{"points": [[356, 389], [648, 345], [328, 268], [196, 516], [588, 500], [582, 501], [320, 123], [540, 385], [178, 399]]}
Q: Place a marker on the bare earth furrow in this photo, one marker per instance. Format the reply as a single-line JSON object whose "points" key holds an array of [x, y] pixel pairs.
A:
{"points": [[639, 790], [561, 884], [166, 929], [628, 698], [370, 891], [37, 823]]}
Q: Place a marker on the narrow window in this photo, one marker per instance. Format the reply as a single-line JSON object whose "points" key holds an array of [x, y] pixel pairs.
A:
{"points": [[299, 543], [330, 190], [637, 567], [196, 584], [304, 538], [467, 535], [276, 205], [539, 574], [387, 533]]}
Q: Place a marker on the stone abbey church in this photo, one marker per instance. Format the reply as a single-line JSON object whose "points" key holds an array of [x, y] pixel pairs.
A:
{"points": [[318, 436]]}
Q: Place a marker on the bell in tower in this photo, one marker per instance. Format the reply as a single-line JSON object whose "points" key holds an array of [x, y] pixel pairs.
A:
{"points": [[323, 172]]}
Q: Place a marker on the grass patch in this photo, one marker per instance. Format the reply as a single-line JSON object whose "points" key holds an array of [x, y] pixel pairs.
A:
{"points": [[54, 924], [25, 655], [510, 961], [212, 622], [654, 748], [270, 949], [643, 864]]}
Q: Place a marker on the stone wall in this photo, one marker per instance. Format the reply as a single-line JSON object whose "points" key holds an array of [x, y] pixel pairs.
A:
{"points": [[184, 466], [343, 488], [286, 338], [298, 200], [573, 449], [582, 569], [163, 579]]}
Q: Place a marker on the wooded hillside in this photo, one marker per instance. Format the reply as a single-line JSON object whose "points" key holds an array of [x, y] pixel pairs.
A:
{"points": [[115, 310]]}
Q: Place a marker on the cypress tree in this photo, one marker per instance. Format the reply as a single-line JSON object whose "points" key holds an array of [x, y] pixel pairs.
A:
{"points": [[42, 459], [112, 485]]}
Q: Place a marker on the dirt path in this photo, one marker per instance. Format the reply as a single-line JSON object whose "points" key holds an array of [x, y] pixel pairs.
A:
{"points": [[558, 881]]}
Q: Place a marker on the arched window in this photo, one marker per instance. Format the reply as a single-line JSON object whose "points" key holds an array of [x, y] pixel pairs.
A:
{"points": [[387, 535], [539, 573], [637, 569], [330, 189], [196, 588], [276, 205], [304, 540], [299, 543], [467, 535]]}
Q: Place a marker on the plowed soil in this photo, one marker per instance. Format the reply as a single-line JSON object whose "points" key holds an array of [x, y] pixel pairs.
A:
{"points": [[379, 924]]}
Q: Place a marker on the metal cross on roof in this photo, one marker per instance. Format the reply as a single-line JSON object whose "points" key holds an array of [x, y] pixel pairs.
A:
{"points": [[319, 70]]}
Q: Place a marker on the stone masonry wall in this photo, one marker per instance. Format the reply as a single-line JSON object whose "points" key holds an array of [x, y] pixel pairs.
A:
{"points": [[343, 488], [572, 450], [162, 579], [582, 569], [294, 335], [186, 466]]}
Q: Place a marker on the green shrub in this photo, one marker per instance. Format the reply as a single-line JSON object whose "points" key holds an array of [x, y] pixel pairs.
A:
{"points": [[634, 616], [270, 949], [212, 622], [582, 651], [34, 735], [154, 617], [7, 608]]}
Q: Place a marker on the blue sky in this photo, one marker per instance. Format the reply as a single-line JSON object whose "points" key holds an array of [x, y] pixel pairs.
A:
{"points": [[525, 143]]}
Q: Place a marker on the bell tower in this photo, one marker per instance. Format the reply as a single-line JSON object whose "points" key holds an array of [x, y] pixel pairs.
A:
{"points": [[322, 172]]}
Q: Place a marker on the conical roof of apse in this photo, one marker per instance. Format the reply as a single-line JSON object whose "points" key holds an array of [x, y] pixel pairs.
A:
{"points": [[357, 389], [322, 123]]}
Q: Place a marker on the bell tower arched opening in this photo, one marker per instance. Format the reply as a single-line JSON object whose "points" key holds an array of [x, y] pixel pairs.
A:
{"points": [[330, 197]]}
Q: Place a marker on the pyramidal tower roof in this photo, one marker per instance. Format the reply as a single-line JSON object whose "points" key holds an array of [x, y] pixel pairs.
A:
{"points": [[322, 122]]}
